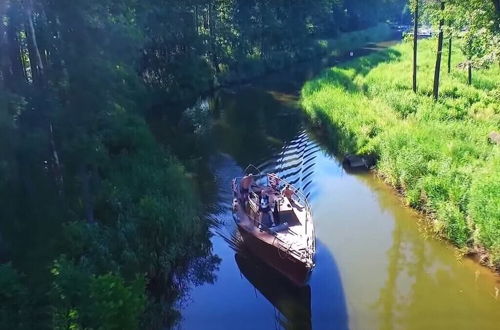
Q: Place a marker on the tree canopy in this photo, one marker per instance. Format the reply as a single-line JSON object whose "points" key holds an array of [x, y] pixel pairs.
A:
{"points": [[98, 222]]}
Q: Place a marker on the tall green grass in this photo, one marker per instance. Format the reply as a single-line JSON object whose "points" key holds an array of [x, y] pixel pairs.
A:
{"points": [[436, 153]]}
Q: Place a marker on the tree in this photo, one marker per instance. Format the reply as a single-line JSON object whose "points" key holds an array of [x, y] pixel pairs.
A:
{"points": [[480, 39], [85, 301], [473, 22], [454, 24], [437, 68]]}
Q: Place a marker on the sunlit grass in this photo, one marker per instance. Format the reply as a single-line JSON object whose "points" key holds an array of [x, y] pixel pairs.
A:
{"points": [[437, 153]]}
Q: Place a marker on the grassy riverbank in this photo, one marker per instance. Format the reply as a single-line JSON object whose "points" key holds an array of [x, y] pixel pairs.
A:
{"points": [[436, 154]]}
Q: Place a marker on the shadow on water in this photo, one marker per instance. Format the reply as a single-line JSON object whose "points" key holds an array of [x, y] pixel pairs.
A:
{"points": [[329, 301], [294, 303]]}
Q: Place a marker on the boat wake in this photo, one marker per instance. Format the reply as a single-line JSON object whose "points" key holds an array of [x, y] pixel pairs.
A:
{"points": [[294, 162]]}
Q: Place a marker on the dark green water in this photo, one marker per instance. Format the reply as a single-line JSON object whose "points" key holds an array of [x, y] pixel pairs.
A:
{"points": [[377, 266]]}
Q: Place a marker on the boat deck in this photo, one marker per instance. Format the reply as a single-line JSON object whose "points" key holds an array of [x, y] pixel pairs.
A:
{"points": [[292, 239]]}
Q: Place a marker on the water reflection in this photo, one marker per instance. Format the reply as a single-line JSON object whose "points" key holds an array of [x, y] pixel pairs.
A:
{"points": [[293, 303], [251, 128], [427, 284]]}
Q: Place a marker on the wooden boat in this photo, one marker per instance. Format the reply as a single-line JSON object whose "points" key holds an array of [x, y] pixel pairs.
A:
{"points": [[288, 245]]}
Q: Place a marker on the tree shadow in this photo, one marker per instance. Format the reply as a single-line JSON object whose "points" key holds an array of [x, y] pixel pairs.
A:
{"points": [[295, 303], [343, 75]]}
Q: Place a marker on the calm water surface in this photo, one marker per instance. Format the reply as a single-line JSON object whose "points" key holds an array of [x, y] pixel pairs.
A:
{"points": [[376, 266]]}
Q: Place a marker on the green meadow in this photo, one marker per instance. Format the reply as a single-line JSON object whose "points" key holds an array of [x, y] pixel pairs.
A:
{"points": [[437, 154]]}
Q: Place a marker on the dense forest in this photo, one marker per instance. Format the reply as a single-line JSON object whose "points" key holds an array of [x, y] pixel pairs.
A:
{"points": [[100, 226]]}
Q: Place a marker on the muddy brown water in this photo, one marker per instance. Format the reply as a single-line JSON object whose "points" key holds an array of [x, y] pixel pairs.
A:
{"points": [[377, 265]]}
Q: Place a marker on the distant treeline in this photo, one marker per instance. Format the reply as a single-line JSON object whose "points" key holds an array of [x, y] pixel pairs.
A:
{"points": [[98, 224]]}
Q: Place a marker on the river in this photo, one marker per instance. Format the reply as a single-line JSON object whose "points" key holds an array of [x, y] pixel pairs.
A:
{"points": [[377, 265]]}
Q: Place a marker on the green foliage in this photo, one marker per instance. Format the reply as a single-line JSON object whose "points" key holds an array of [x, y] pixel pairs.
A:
{"points": [[484, 205], [438, 154], [96, 302], [82, 175], [85, 189], [196, 45], [476, 21], [13, 294]]}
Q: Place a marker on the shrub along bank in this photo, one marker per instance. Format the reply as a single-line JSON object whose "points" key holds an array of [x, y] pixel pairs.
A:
{"points": [[436, 153]]}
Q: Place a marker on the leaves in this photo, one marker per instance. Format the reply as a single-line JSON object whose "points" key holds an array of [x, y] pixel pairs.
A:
{"points": [[92, 208]]}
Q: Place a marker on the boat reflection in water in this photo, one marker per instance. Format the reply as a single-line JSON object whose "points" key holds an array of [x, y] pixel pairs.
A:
{"points": [[321, 302], [292, 302]]}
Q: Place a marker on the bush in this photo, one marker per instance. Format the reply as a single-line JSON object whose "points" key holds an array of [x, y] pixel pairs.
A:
{"points": [[85, 301]]}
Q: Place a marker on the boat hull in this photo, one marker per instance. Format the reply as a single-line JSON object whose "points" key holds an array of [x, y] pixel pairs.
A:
{"points": [[295, 270]]}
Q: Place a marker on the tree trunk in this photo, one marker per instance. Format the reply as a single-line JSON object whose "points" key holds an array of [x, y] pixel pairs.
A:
{"points": [[415, 43], [4, 56], [496, 3], [196, 20], [17, 77], [38, 68], [33, 40], [86, 176], [31, 64], [469, 73], [55, 158], [437, 68], [449, 54], [213, 36]]}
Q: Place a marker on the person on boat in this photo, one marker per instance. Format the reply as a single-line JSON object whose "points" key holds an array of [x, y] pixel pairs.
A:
{"points": [[274, 205], [245, 185], [266, 215], [288, 193]]}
